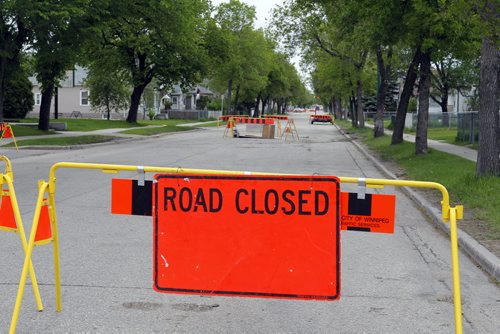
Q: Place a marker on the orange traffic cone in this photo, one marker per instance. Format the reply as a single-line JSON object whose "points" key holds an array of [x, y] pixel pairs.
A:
{"points": [[44, 231], [7, 133], [7, 219]]}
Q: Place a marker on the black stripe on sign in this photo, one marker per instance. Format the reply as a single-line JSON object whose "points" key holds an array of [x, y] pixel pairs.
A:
{"points": [[359, 207], [361, 229], [142, 198]]}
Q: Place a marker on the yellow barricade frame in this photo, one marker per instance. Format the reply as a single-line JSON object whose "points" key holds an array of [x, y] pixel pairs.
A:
{"points": [[7, 178], [449, 214]]}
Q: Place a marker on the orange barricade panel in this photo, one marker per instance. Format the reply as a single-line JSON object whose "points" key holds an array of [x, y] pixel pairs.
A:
{"points": [[121, 194], [44, 230], [129, 198], [7, 218], [374, 213], [247, 236]]}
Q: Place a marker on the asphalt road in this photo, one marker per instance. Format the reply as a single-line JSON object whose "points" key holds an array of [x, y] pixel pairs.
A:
{"points": [[398, 283]]}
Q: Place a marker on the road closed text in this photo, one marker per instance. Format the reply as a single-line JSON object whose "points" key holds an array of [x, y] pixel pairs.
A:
{"points": [[304, 202]]}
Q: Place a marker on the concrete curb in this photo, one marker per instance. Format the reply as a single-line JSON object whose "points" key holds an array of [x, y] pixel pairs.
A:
{"points": [[478, 253]]}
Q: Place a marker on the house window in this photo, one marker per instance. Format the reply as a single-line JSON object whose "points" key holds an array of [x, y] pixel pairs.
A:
{"points": [[84, 98], [174, 100], [38, 99]]}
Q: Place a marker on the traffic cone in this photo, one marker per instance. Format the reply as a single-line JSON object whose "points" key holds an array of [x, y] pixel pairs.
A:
{"points": [[7, 132], [44, 231], [7, 218]]}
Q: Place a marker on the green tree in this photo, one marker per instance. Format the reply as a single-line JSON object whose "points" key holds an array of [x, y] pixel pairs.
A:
{"points": [[451, 74], [109, 90], [59, 29], [14, 34], [234, 23], [160, 39], [311, 25], [18, 92], [284, 85]]}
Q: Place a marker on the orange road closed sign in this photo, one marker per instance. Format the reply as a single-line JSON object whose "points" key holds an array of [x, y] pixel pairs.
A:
{"points": [[251, 236]]}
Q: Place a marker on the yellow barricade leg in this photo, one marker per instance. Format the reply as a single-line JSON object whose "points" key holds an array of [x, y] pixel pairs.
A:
{"points": [[27, 260], [455, 271], [22, 236], [55, 235], [9, 179]]}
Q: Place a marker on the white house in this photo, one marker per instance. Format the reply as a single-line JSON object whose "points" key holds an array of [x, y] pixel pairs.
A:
{"points": [[72, 97], [186, 99]]}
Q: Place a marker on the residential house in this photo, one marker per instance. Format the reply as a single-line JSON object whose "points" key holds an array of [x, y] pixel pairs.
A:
{"points": [[72, 97], [186, 99]]}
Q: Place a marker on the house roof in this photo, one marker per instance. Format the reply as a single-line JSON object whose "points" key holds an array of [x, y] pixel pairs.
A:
{"points": [[198, 89], [79, 73]]}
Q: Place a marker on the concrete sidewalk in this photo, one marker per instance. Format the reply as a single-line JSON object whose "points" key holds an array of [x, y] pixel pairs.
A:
{"points": [[461, 151]]}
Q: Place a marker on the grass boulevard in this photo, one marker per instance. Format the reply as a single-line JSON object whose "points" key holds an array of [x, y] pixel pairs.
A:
{"points": [[143, 128], [478, 195]]}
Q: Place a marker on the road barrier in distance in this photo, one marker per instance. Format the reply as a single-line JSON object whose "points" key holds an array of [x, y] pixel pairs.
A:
{"points": [[278, 119], [265, 122], [7, 132], [290, 130], [321, 118], [449, 214], [225, 118]]}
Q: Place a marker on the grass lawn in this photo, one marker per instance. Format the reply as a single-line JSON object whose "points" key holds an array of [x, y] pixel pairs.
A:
{"points": [[157, 130], [22, 131], [455, 173], [63, 141], [444, 134], [79, 124], [95, 124]]}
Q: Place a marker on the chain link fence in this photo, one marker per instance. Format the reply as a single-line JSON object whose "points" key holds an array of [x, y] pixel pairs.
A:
{"points": [[466, 123]]}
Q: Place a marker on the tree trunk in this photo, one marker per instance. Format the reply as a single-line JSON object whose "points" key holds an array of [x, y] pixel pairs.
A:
{"points": [[444, 107], [489, 129], [229, 93], [423, 103], [338, 102], [265, 107], [236, 98], [44, 118], [359, 105], [257, 111], [354, 120], [3, 67], [108, 108], [135, 100], [411, 77], [383, 72]]}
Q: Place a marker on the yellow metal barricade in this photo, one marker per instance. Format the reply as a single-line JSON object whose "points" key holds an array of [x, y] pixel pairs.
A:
{"points": [[10, 204], [449, 214]]}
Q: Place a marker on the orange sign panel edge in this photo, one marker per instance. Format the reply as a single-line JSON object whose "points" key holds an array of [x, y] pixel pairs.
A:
{"points": [[156, 259]]}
